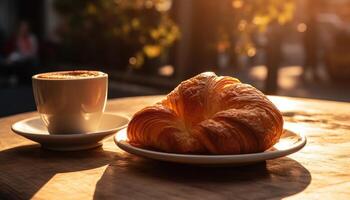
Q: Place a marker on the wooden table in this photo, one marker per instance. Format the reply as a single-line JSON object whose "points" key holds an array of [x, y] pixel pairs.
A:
{"points": [[321, 170]]}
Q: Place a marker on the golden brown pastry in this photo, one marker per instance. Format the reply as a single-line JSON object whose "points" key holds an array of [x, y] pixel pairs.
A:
{"points": [[208, 114]]}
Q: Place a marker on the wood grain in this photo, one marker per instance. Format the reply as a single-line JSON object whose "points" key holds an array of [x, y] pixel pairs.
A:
{"points": [[319, 170]]}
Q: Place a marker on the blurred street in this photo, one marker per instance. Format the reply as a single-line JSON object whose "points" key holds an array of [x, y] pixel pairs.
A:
{"points": [[19, 99], [291, 48]]}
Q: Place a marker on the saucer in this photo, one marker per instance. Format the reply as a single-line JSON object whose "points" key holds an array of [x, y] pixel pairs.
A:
{"points": [[34, 129], [289, 143]]}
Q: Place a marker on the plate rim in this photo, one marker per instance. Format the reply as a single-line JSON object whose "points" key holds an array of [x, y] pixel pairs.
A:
{"points": [[69, 136], [209, 159]]}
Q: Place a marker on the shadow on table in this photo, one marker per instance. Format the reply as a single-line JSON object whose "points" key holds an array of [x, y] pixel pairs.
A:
{"points": [[26, 169], [29, 168], [146, 179]]}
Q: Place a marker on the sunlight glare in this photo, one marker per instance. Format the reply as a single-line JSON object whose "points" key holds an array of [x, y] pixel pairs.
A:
{"points": [[166, 70], [258, 72], [237, 4], [251, 52], [122, 135], [285, 105], [301, 27], [288, 74], [284, 143]]}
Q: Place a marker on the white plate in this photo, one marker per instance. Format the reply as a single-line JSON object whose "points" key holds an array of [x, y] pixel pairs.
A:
{"points": [[289, 142], [34, 129]]}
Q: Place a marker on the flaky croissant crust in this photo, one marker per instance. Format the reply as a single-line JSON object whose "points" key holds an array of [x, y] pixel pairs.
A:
{"points": [[208, 114]]}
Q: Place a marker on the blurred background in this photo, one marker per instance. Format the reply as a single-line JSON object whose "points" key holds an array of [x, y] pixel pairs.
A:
{"points": [[293, 47]]}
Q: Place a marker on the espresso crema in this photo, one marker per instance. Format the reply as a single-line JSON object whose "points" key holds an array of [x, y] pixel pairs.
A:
{"points": [[78, 74]]}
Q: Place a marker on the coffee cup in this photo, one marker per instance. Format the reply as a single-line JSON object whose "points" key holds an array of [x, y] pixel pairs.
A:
{"points": [[70, 102]]}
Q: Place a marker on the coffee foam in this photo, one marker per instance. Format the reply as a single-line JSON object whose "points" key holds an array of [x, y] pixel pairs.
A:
{"points": [[78, 74]]}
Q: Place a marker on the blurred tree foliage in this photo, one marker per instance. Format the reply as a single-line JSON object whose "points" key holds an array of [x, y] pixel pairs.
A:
{"points": [[252, 16], [119, 32], [141, 30]]}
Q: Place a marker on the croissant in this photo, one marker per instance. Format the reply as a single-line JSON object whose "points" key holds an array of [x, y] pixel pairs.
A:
{"points": [[208, 114]]}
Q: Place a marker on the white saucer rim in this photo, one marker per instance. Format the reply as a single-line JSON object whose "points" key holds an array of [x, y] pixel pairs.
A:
{"points": [[266, 154], [65, 136]]}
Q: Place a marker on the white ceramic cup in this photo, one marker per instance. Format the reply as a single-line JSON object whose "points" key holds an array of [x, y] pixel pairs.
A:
{"points": [[71, 104]]}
